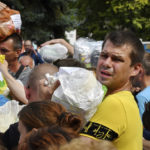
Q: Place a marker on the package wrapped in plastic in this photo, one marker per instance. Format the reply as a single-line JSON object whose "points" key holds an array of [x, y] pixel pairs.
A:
{"points": [[53, 52], [79, 91], [87, 51], [8, 114], [10, 21]]}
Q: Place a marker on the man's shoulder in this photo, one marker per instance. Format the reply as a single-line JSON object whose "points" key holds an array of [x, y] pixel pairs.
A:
{"points": [[24, 75], [120, 95]]}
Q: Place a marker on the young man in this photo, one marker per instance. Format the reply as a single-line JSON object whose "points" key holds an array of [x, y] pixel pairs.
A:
{"points": [[117, 118]]}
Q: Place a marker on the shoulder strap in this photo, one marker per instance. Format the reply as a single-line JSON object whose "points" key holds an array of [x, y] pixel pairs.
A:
{"points": [[19, 71]]}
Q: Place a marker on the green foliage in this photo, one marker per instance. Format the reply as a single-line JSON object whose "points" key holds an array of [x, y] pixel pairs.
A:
{"points": [[43, 19], [100, 17]]}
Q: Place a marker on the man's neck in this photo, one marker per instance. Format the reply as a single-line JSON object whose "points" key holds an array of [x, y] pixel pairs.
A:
{"points": [[126, 87], [147, 80], [14, 66]]}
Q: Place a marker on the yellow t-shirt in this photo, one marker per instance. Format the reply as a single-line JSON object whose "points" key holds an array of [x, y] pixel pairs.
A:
{"points": [[117, 119]]}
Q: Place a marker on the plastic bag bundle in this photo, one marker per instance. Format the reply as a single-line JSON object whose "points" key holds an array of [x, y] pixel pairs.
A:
{"points": [[10, 21], [79, 91], [87, 51], [8, 114], [51, 53]]}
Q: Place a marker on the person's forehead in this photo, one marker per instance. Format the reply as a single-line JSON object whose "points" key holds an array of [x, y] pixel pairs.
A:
{"points": [[9, 44], [122, 50], [27, 43]]}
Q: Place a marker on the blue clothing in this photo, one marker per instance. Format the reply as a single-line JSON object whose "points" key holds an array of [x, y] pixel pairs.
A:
{"points": [[146, 134], [142, 98], [3, 100], [37, 58]]}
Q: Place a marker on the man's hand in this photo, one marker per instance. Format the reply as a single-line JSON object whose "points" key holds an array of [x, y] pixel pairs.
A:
{"points": [[4, 67]]}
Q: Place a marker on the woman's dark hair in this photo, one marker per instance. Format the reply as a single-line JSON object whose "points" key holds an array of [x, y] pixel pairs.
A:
{"points": [[47, 137], [48, 113]]}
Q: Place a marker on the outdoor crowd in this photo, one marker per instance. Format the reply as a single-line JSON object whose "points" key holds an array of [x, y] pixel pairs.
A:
{"points": [[62, 105]]}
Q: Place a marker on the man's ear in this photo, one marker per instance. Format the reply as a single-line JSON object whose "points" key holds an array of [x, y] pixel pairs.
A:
{"points": [[27, 92], [18, 52], [136, 69]]}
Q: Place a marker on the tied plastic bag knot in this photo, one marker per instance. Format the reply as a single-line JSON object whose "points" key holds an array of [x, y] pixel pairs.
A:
{"points": [[50, 80]]}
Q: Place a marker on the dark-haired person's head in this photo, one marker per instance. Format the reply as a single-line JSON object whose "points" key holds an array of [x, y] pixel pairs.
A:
{"points": [[46, 113], [120, 38], [47, 137], [120, 60], [11, 47]]}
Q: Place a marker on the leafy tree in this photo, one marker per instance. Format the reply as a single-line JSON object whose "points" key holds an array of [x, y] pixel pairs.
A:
{"points": [[43, 19], [99, 17]]}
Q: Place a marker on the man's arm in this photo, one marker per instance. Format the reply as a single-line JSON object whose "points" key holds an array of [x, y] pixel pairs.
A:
{"points": [[15, 87]]}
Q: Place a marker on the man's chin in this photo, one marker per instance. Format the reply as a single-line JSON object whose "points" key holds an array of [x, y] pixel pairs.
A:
{"points": [[105, 81]]}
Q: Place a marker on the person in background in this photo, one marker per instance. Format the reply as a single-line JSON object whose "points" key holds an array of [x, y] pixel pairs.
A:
{"points": [[11, 48], [144, 95], [30, 51], [36, 89], [27, 61]]}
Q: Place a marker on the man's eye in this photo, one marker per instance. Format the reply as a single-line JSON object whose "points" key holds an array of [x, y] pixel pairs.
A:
{"points": [[3, 50], [117, 59], [103, 55]]}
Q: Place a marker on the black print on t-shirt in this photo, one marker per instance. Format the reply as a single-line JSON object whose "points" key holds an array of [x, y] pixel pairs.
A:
{"points": [[99, 131]]}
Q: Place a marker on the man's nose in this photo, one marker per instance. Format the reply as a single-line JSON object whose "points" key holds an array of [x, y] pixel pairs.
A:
{"points": [[108, 62]]}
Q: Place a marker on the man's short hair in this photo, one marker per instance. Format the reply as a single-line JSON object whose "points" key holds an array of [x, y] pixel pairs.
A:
{"points": [[39, 72], [146, 63], [17, 41], [120, 38]]}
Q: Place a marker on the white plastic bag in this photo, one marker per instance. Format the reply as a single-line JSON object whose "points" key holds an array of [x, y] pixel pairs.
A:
{"points": [[8, 114], [87, 51], [79, 91], [53, 52]]}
